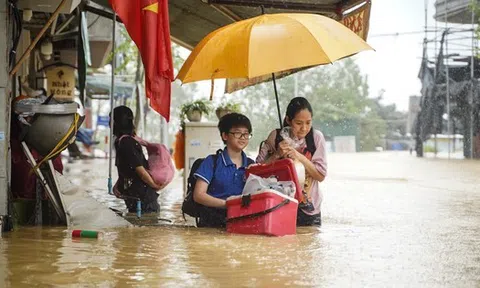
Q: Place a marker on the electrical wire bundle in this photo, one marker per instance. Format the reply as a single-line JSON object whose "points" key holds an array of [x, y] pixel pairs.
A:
{"points": [[17, 31]]}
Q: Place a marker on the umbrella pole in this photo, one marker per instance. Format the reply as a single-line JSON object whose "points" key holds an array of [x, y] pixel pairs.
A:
{"points": [[278, 103], [112, 93]]}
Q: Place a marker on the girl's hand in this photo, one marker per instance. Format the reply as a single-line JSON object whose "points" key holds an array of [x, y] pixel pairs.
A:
{"points": [[292, 154], [158, 187], [163, 186], [283, 148], [117, 193]]}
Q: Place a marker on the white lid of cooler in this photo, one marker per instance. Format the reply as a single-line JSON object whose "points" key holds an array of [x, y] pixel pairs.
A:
{"points": [[264, 191]]}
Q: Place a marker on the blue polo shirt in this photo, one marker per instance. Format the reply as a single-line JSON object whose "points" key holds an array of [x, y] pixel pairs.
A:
{"points": [[229, 180]]}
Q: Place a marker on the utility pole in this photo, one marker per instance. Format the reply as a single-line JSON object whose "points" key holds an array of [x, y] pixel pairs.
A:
{"points": [[472, 84], [447, 77], [435, 143]]}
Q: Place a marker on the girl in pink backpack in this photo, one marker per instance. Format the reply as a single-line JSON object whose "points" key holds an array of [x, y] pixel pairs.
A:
{"points": [[134, 181]]}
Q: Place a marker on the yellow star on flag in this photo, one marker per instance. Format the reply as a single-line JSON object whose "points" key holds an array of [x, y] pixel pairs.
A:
{"points": [[152, 7]]}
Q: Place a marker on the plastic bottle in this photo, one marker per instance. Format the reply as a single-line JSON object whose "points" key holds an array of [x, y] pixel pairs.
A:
{"points": [[84, 234]]}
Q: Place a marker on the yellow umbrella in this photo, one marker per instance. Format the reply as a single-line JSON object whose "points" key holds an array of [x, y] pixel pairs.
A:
{"points": [[267, 44]]}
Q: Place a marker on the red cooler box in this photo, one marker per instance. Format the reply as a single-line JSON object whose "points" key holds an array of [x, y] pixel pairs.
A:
{"points": [[265, 212], [283, 170]]}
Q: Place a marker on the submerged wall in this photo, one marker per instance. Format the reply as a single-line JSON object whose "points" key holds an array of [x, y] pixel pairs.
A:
{"points": [[4, 108]]}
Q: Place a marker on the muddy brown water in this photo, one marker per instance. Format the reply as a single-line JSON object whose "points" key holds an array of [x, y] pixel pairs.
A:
{"points": [[389, 219]]}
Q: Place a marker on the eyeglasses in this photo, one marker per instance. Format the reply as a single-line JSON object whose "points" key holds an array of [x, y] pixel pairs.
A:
{"points": [[240, 135]]}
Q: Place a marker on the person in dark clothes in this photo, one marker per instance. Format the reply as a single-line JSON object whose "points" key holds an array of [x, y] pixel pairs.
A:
{"points": [[134, 182]]}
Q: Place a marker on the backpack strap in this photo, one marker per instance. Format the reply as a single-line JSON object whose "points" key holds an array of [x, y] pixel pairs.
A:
{"points": [[278, 138], [138, 139], [119, 140], [123, 136], [261, 145], [215, 157]]}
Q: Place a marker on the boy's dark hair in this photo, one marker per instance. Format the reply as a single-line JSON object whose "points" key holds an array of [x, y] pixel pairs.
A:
{"points": [[227, 122], [122, 121]]}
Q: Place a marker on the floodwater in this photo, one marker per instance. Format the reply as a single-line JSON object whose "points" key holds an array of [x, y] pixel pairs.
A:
{"points": [[389, 219]]}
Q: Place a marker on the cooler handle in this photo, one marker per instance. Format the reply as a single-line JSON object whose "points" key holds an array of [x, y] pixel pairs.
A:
{"points": [[258, 214]]}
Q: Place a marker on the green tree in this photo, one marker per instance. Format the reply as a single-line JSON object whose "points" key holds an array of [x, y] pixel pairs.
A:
{"points": [[396, 121], [339, 97], [372, 131], [338, 94]]}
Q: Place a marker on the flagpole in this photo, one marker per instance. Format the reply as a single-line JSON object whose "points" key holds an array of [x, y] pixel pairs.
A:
{"points": [[112, 93]]}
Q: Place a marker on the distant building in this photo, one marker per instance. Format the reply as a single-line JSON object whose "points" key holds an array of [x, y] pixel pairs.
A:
{"points": [[455, 145], [457, 11]]}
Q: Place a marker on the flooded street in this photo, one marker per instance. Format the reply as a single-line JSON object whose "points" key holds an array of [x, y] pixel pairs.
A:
{"points": [[389, 219]]}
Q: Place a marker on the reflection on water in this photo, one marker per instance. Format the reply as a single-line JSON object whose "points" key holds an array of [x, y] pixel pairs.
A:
{"points": [[389, 219]]}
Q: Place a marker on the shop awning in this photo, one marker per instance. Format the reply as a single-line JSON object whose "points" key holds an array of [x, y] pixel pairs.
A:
{"points": [[192, 20]]}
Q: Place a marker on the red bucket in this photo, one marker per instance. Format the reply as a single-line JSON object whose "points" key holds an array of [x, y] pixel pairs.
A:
{"points": [[265, 212]]}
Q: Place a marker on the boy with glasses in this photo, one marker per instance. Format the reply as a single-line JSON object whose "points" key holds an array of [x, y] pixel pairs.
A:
{"points": [[218, 181]]}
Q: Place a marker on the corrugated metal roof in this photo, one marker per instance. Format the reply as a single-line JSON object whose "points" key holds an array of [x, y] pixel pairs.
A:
{"points": [[192, 20]]}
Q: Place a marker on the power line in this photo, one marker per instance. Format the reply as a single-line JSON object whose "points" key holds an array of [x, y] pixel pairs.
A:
{"points": [[462, 44], [450, 39], [419, 32], [400, 33]]}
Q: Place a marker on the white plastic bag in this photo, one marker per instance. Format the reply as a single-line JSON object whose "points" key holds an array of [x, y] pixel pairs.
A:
{"points": [[255, 183], [285, 133]]}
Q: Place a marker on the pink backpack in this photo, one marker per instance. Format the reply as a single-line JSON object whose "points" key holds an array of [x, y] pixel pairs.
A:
{"points": [[159, 161]]}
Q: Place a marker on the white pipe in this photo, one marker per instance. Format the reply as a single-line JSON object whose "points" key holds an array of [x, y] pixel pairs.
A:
{"points": [[112, 93], [164, 131]]}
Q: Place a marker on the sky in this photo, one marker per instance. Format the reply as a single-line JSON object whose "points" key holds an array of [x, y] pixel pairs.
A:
{"points": [[394, 65]]}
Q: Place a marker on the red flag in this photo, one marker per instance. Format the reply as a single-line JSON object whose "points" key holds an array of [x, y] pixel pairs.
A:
{"points": [[147, 24]]}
